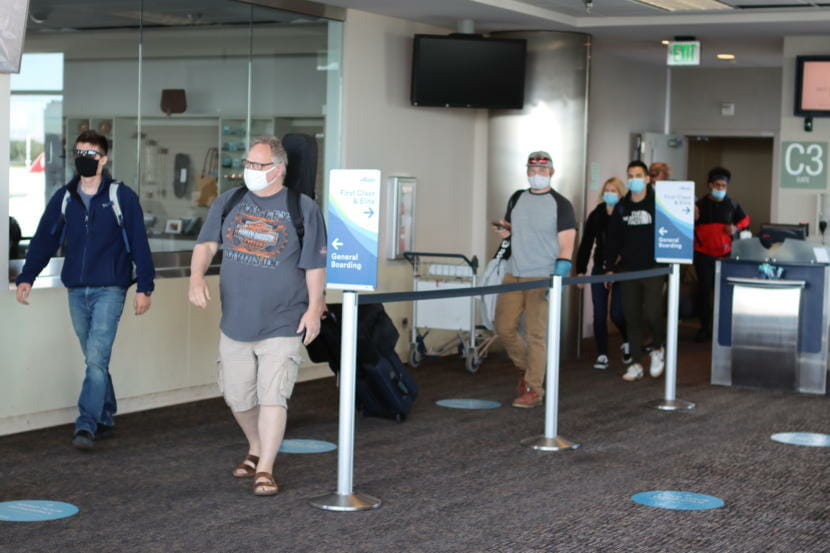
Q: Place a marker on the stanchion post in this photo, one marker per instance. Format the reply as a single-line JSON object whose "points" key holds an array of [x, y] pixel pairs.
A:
{"points": [[551, 441], [670, 401], [345, 499]]}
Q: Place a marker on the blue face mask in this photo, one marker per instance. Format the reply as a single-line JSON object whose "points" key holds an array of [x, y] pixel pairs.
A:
{"points": [[636, 185], [611, 198], [718, 194]]}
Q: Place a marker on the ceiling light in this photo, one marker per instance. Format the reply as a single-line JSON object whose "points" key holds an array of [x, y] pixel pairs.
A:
{"points": [[664, 42], [726, 56], [686, 5]]}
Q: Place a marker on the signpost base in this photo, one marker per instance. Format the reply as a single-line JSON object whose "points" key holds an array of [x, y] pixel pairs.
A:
{"points": [[345, 502], [672, 405], [543, 443]]}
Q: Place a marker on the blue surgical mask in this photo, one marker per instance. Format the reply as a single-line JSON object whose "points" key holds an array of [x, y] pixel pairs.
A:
{"points": [[718, 194], [611, 198], [636, 185]]}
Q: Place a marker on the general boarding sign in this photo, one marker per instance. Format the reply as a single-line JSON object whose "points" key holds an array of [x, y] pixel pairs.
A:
{"points": [[353, 215], [674, 224]]}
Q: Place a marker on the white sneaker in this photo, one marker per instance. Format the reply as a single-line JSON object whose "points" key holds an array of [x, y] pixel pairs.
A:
{"points": [[626, 351], [657, 363], [634, 372], [601, 363]]}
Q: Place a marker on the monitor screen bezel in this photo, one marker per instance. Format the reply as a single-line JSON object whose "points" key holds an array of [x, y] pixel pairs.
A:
{"points": [[416, 60], [799, 86]]}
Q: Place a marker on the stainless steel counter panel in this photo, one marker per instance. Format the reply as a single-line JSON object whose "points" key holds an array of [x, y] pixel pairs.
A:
{"points": [[765, 332], [768, 319], [168, 265]]}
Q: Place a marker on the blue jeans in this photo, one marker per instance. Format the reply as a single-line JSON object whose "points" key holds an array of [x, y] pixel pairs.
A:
{"points": [[599, 297], [95, 312]]}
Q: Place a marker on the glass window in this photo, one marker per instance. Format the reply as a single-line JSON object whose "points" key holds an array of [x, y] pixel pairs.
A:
{"points": [[179, 90]]}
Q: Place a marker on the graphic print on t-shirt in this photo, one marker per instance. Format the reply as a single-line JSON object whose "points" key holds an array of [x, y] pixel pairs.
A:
{"points": [[256, 237], [638, 218]]}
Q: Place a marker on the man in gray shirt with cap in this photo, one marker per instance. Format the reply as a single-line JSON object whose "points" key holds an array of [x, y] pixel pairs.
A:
{"points": [[541, 226]]}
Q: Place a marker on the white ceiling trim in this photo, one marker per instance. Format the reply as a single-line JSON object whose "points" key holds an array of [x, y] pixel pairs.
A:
{"points": [[529, 9], [802, 15]]}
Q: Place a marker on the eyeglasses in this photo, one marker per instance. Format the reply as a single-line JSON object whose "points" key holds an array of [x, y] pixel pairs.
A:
{"points": [[88, 153], [256, 166], [538, 161]]}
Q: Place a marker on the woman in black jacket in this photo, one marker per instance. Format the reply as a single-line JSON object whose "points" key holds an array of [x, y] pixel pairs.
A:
{"points": [[595, 229]]}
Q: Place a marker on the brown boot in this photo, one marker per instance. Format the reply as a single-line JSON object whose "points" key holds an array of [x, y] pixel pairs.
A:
{"points": [[530, 398], [521, 387]]}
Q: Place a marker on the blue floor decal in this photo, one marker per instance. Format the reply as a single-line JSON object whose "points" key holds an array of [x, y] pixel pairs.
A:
{"points": [[683, 501], [802, 438], [35, 510], [306, 446], [468, 403]]}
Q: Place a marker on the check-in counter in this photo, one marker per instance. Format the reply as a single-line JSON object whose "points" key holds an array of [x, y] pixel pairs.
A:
{"points": [[772, 332]]}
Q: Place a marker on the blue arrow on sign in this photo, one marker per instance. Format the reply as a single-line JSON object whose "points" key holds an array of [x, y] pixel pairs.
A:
{"points": [[369, 212]]}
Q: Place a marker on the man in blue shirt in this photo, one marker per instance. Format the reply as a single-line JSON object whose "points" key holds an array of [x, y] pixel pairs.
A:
{"points": [[100, 224]]}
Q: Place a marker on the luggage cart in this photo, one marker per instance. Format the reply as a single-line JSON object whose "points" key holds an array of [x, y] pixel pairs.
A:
{"points": [[443, 271]]}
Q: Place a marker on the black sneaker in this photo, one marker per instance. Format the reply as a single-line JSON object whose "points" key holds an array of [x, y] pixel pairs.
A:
{"points": [[626, 351], [83, 440], [103, 432]]}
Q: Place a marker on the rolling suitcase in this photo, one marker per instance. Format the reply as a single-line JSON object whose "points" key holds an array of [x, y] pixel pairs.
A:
{"points": [[384, 387]]}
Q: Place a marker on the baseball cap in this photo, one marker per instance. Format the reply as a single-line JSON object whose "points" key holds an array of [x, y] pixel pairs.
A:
{"points": [[539, 159]]}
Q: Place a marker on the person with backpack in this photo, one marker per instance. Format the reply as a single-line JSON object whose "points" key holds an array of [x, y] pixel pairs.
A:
{"points": [[595, 231], [718, 218], [630, 247], [100, 224], [272, 280], [541, 226]]}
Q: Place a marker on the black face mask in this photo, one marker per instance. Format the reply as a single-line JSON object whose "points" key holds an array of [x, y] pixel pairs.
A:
{"points": [[86, 166]]}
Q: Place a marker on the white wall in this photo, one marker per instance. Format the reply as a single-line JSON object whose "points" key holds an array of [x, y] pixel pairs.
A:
{"points": [[443, 148], [698, 92], [793, 205]]}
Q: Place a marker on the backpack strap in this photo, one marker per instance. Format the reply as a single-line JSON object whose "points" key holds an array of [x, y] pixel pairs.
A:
{"points": [[296, 214], [232, 202], [119, 215], [511, 203]]}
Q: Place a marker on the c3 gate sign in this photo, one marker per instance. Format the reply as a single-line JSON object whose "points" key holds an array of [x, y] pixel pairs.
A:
{"points": [[804, 165]]}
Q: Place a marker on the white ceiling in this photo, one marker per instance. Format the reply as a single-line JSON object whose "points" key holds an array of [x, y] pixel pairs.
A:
{"points": [[753, 31]]}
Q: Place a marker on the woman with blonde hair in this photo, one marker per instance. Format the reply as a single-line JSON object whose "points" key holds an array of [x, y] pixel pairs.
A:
{"points": [[595, 229]]}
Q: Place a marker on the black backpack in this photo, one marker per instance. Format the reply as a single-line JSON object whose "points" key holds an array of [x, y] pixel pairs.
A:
{"points": [[300, 177]]}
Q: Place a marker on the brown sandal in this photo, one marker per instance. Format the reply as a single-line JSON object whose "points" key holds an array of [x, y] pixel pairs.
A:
{"points": [[245, 468], [264, 484]]}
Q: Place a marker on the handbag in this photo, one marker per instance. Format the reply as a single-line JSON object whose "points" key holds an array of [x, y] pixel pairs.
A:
{"points": [[206, 187]]}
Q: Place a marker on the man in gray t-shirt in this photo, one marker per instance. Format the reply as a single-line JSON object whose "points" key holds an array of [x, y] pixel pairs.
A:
{"points": [[541, 226], [271, 284]]}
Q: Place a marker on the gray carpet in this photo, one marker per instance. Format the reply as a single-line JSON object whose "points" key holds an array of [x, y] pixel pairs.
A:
{"points": [[451, 480]]}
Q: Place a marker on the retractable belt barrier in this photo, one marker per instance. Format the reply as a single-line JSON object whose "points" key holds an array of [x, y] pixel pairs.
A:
{"points": [[391, 297], [344, 499]]}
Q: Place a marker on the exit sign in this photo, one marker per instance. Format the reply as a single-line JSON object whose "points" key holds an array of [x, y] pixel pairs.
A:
{"points": [[684, 53]]}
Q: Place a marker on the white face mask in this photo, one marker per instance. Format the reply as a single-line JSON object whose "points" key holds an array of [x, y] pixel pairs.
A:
{"points": [[257, 180], [538, 182]]}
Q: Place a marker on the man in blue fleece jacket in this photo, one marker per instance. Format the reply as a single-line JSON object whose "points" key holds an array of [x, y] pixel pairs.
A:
{"points": [[102, 239]]}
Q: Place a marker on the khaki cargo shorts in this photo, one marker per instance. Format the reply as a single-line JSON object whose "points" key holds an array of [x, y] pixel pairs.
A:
{"points": [[258, 373]]}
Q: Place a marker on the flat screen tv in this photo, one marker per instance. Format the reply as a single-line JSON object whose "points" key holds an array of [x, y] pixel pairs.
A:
{"points": [[812, 86], [468, 71]]}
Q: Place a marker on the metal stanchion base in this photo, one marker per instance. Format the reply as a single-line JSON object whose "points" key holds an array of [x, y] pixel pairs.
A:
{"points": [[543, 443], [345, 502], [672, 405]]}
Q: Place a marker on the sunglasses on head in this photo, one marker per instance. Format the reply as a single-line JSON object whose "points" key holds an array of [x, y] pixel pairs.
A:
{"points": [[87, 153], [539, 160]]}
